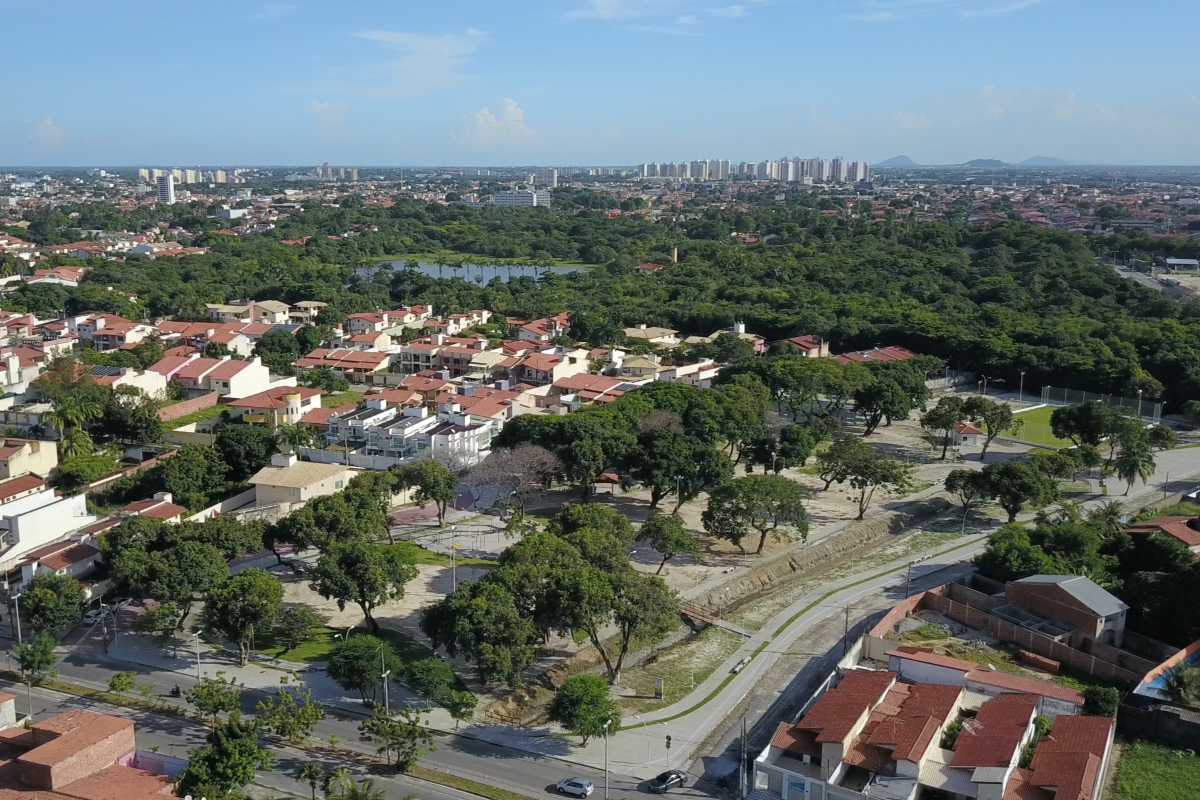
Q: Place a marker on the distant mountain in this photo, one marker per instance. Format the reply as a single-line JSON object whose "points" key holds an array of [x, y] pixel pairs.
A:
{"points": [[1046, 161], [985, 163], [897, 162]]}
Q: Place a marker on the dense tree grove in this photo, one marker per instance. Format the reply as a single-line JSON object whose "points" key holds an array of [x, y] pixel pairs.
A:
{"points": [[999, 301]]}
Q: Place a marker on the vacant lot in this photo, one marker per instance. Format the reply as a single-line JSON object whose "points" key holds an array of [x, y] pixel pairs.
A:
{"points": [[1153, 772]]}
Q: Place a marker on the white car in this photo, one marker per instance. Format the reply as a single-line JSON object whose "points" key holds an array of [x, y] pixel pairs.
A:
{"points": [[580, 787], [119, 602], [92, 616]]}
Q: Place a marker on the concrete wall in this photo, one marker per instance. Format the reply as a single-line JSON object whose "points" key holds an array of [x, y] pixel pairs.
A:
{"points": [[47, 524], [803, 557], [1168, 725], [177, 410], [225, 506], [189, 435]]}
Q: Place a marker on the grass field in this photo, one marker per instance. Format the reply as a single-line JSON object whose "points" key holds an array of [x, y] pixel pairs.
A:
{"points": [[339, 399], [1153, 772], [197, 416], [422, 556], [319, 649], [1036, 427]]}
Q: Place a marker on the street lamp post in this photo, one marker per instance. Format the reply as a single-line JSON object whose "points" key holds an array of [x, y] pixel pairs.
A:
{"points": [[387, 706], [607, 722], [453, 559], [17, 614], [985, 380], [197, 637], [1139, 403], [1021, 393]]}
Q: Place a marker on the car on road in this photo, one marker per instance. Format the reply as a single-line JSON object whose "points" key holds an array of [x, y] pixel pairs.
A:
{"points": [[580, 787], [92, 616], [667, 780], [119, 602]]}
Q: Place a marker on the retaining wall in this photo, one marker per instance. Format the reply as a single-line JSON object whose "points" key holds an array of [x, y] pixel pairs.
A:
{"points": [[803, 557]]}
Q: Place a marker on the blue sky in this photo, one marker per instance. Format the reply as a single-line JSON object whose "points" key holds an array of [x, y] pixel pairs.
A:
{"points": [[460, 82]]}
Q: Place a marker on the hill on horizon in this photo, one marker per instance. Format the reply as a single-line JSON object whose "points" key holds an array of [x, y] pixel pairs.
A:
{"points": [[985, 163], [897, 161]]}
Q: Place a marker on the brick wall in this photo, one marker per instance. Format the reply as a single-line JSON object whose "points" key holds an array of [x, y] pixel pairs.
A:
{"points": [[1030, 640], [898, 614], [68, 764], [177, 410], [1051, 602]]}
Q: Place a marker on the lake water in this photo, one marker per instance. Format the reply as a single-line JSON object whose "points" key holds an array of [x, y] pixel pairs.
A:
{"points": [[480, 273]]}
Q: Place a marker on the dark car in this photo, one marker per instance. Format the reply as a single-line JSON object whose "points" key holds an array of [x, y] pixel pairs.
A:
{"points": [[668, 780]]}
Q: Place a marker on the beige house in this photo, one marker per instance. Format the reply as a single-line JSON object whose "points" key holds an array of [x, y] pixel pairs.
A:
{"points": [[660, 337], [282, 405], [294, 482], [305, 312], [223, 312], [23, 456], [271, 312]]}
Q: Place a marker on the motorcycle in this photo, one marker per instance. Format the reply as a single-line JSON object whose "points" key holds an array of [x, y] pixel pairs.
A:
{"points": [[176, 692]]}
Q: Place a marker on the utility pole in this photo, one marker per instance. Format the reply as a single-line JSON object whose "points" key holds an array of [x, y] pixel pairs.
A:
{"points": [[908, 580], [387, 707], [1021, 393], [197, 635], [607, 722], [453, 559], [742, 761], [846, 632]]}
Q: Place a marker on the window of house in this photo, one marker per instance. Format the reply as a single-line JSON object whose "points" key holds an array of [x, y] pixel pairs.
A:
{"points": [[294, 492], [337, 484]]}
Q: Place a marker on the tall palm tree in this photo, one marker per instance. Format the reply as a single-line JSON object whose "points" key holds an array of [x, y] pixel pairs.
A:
{"points": [[360, 791], [312, 773], [72, 412], [294, 437], [335, 779], [1108, 516], [76, 442], [1133, 463]]}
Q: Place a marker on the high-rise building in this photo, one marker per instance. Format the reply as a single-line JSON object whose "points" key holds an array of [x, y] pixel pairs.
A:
{"points": [[143, 174], [521, 197], [191, 176], [718, 170], [341, 173], [177, 174], [166, 190], [650, 170], [699, 170], [354, 173], [546, 178], [839, 170], [155, 174], [220, 177], [859, 171]]}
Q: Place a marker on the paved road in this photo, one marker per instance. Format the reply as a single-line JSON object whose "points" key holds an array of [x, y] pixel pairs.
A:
{"points": [[497, 765]]}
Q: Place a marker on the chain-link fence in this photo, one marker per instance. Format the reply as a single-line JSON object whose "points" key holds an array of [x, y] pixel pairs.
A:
{"points": [[1148, 410]]}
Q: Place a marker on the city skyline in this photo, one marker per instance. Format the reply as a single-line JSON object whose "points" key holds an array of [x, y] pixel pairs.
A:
{"points": [[942, 81]]}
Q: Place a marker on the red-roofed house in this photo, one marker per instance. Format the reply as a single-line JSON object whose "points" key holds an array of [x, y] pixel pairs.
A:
{"points": [[966, 435], [877, 354], [226, 376], [80, 755], [353, 365], [810, 346], [281, 405], [877, 735], [1185, 529]]}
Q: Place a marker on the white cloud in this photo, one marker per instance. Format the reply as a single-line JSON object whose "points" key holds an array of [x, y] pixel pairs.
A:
{"points": [[273, 11], [484, 129], [44, 132], [655, 16], [896, 10], [907, 121], [427, 63], [328, 116]]}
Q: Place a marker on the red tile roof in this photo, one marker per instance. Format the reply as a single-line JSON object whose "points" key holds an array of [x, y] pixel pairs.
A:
{"points": [[72, 555], [835, 713], [796, 740], [1069, 757], [992, 738], [197, 368], [154, 509], [967, 429], [1176, 527], [274, 398], [1022, 683], [228, 369], [120, 783], [169, 364], [919, 718], [19, 485]]}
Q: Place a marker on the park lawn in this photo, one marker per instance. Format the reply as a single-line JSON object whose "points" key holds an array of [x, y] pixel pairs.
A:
{"points": [[197, 416], [1153, 772], [319, 649], [1037, 428], [694, 658], [422, 556], [339, 399]]}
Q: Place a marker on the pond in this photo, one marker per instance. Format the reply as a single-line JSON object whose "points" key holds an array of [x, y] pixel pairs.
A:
{"points": [[480, 273]]}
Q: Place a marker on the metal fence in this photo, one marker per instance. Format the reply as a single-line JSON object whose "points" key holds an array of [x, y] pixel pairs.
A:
{"points": [[1148, 410]]}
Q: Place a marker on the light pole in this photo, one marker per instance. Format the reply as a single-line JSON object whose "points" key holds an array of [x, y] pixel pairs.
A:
{"points": [[908, 580], [1139, 403], [17, 614], [1021, 393], [607, 722], [387, 707], [197, 637], [985, 380], [453, 559]]}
